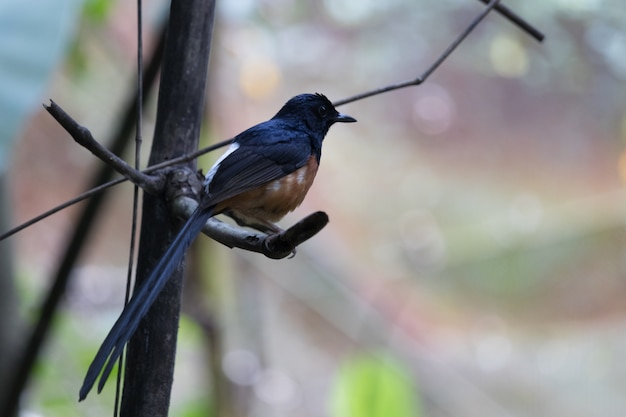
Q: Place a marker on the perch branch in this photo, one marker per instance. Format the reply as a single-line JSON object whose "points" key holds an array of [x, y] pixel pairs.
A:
{"points": [[182, 187]]}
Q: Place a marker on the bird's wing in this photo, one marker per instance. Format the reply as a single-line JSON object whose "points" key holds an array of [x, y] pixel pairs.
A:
{"points": [[255, 163]]}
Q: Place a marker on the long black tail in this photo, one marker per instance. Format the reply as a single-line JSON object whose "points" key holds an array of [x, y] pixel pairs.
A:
{"points": [[142, 299]]}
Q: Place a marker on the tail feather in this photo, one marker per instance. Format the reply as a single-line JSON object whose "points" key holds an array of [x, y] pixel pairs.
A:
{"points": [[141, 301]]}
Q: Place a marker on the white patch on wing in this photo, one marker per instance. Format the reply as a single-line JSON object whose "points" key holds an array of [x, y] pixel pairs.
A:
{"points": [[301, 175], [209, 175], [275, 185]]}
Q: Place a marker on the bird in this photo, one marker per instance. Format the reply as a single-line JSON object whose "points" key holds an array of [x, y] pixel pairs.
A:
{"points": [[264, 174]]}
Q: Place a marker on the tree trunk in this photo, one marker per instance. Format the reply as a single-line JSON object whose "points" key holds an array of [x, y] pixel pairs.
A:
{"points": [[151, 352]]}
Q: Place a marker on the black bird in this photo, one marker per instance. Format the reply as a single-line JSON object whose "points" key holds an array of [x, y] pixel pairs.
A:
{"points": [[265, 174]]}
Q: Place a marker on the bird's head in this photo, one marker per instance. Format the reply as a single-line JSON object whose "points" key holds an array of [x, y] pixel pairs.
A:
{"points": [[314, 111]]}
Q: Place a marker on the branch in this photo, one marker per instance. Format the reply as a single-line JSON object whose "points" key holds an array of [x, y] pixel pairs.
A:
{"points": [[107, 156], [83, 137], [181, 189], [518, 21], [93, 191], [419, 80]]}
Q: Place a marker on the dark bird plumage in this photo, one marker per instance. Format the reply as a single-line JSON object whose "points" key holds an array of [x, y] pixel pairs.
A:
{"points": [[265, 174]]}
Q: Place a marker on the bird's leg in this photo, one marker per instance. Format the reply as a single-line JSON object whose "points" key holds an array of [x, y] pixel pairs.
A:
{"points": [[257, 223], [254, 223]]}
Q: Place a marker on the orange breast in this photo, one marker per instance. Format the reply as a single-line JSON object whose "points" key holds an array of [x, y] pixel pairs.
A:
{"points": [[273, 200]]}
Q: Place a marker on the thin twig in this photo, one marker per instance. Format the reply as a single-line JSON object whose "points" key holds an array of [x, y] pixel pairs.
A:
{"points": [[100, 188], [419, 80], [135, 205], [60, 207], [518, 21]]}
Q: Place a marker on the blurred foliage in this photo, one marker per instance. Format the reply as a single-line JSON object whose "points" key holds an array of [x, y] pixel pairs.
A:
{"points": [[97, 10], [374, 386], [199, 408], [95, 15]]}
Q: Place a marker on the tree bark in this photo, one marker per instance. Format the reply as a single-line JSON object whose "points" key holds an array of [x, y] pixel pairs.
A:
{"points": [[151, 352], [11, 325]]}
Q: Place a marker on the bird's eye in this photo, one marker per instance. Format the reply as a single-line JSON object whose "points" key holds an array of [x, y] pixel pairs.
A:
{"points": [[322, 111]]}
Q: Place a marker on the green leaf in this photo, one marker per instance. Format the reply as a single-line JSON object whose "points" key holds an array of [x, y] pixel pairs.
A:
{"points": [[97, 10], [374, 386]]}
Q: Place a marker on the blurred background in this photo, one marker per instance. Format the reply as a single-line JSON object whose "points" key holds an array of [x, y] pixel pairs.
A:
{"points": [[474, 263]]}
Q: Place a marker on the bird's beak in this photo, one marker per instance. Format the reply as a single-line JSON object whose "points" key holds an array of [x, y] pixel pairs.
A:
{"points": [[344, 118]]}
